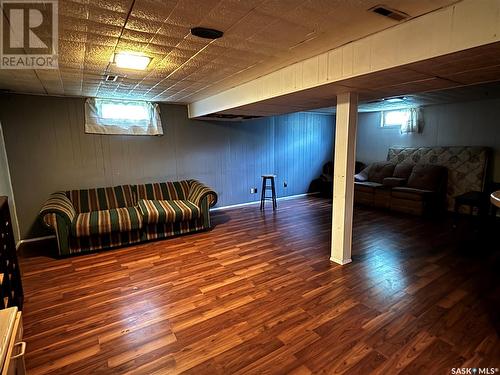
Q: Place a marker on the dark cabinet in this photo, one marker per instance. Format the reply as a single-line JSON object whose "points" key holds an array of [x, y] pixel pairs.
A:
{"points": [[11, 289]]}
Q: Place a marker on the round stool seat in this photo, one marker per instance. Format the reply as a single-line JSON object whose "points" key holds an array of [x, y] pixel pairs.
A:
{"points": [[269, 175]]}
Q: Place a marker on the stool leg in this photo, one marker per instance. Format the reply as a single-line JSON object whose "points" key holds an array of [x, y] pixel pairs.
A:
{"points": [[263, 193], [275, 205]]}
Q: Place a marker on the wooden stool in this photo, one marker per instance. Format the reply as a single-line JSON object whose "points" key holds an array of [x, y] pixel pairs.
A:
{"points": [[265, 187]]}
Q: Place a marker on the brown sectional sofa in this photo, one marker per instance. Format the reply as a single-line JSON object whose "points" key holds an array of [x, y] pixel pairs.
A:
{"points": [[416, 189]]}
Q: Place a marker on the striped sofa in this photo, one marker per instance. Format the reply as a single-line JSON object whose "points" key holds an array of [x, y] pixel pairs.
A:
{"points": [[101, 218]]}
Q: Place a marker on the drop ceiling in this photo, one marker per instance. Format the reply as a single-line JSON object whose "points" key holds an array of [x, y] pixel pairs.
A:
{"points": [[454, 95], [260, 37], [441, 79]]}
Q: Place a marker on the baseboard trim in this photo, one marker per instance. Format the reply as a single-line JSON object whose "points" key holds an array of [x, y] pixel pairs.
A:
{"points": [[258, 201], [35, 239]]}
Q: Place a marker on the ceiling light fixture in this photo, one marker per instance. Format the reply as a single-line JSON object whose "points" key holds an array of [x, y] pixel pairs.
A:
{"points": [[129, 60], [206, 33], [395, 100]]}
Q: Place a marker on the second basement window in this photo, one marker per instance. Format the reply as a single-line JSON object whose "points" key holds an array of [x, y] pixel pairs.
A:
{"points": [[395, 118]]}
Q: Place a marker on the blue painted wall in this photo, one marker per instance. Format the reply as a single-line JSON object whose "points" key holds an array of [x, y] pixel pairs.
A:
{"points": [[48, 151]]}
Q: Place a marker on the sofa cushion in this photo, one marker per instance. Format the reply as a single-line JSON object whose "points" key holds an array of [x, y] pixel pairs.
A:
{"points": [[378, 171], [164, 191], [87, 200], [124, 219], [403, 170], [168, 211], [427, 177], [411, 194], [390, 182]]}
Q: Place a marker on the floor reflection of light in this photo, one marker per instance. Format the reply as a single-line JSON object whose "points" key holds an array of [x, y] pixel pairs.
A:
{"points": [[385, 272]]}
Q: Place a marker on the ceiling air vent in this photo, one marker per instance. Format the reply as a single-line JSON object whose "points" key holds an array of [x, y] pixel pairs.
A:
{"points": [[111, 78], [393, 14]]}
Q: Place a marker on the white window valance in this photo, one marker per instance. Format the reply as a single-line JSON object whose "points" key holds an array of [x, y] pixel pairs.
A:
{"points": [[132, 117], [413, 122]]}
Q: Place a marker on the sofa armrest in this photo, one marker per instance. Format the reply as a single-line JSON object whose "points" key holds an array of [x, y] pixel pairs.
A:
{"points": [[57, 206], [360, 177], [198, 192]]}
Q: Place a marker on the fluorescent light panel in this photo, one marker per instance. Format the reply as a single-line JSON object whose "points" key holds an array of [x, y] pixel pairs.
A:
{"points": [[131, 61]]}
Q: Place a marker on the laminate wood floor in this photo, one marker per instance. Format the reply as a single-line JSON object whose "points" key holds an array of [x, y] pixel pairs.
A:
{"points": [[258, 295]]}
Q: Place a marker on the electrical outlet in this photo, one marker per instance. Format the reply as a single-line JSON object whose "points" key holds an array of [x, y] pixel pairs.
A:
{"points": [[285, 184], [253, 191]]}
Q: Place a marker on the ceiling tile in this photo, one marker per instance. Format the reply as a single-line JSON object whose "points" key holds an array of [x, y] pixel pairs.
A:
{"points": [[259, 37]]}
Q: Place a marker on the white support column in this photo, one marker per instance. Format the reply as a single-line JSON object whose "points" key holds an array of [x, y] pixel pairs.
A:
{"points": [[343, 177]]}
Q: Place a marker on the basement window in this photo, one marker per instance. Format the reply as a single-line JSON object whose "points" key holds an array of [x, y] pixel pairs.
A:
{"points": [[390, 119], [125, 117]]}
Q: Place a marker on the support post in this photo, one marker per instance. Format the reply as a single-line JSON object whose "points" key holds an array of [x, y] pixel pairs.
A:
{"points": [[343, 177]]}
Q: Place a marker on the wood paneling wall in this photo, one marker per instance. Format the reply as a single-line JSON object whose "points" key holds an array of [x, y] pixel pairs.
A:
{"points": [[49, 151], [458, 124], [301, 146]]}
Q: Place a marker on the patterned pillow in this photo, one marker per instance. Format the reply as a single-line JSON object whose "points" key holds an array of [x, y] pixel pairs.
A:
{"points": [[378, 171], [403, 170], [427, 177]]}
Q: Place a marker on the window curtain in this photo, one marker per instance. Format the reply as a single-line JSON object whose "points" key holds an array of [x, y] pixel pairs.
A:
{"points": [[99, 121], [413, 124]]}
